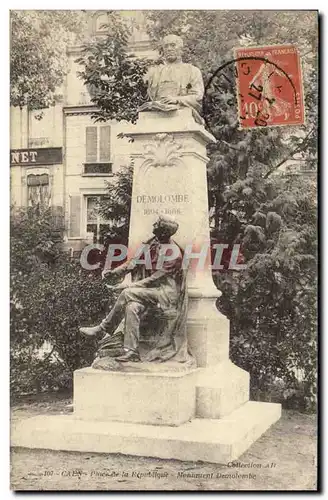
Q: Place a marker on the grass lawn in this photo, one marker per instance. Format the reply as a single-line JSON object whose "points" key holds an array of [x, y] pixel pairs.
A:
{"points": [[284, 458]]}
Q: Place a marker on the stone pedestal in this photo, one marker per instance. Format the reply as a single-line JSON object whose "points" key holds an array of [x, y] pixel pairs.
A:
{"points": [[208, 332], [221, 386], [147, 398], [169, 156], [220, 390], [120, 412]]}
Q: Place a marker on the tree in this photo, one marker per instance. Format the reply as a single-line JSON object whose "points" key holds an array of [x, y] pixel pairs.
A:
{"points": [[272, 303], [38, 61], [51, 296], [117, 204], [113, 76]]}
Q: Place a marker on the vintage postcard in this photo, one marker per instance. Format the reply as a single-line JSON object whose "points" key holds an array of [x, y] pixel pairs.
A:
{"points": [[163, 250]]}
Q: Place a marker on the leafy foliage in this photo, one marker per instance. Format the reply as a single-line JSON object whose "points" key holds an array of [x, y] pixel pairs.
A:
{"points": [[116, 206], [272, 304], [38, 60], [50, 299], [114, 77]]}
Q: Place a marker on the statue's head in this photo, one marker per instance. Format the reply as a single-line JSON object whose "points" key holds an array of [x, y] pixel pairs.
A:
{"points": [[165, 227], [172, 46]]}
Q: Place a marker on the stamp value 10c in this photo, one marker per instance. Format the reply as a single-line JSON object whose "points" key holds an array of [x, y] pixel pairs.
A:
{"points": [[269, 86]]}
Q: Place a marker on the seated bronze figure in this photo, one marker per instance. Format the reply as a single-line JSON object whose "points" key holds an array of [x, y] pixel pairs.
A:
{"points": [[148, 320]]}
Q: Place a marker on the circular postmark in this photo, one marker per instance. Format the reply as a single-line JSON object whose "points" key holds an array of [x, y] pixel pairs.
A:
{"points": [[254, 91]]}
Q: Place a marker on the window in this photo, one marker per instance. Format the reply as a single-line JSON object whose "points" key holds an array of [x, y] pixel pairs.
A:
{"points": [[95, 223], [38, 190], [97, 161]]}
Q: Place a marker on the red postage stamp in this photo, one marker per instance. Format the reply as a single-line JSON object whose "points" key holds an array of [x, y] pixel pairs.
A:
{"points": [[269, 86]]}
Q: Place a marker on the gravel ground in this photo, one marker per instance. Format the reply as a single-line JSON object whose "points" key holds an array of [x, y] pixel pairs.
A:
{"points": [[284, 458]]}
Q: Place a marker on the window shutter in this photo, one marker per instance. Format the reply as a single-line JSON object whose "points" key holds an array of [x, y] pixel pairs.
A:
{"points": [[57, 217], [75, 216], [104, 154], [91, 144]]}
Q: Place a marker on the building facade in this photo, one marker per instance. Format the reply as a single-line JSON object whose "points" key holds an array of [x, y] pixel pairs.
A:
{"points": [[61, 158]]}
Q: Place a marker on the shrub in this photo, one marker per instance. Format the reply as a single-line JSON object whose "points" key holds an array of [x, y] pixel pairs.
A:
{"points": [[272, 303], [51, 296]]}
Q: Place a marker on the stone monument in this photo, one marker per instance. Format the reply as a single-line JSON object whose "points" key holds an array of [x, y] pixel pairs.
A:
{"points": [[193, 408]]}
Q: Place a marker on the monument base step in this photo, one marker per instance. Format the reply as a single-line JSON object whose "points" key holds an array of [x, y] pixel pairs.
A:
{"points": [[209, 440]]}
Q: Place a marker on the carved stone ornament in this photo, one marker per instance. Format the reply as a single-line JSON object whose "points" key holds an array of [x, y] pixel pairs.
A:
{"points": [[164, 151]]}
